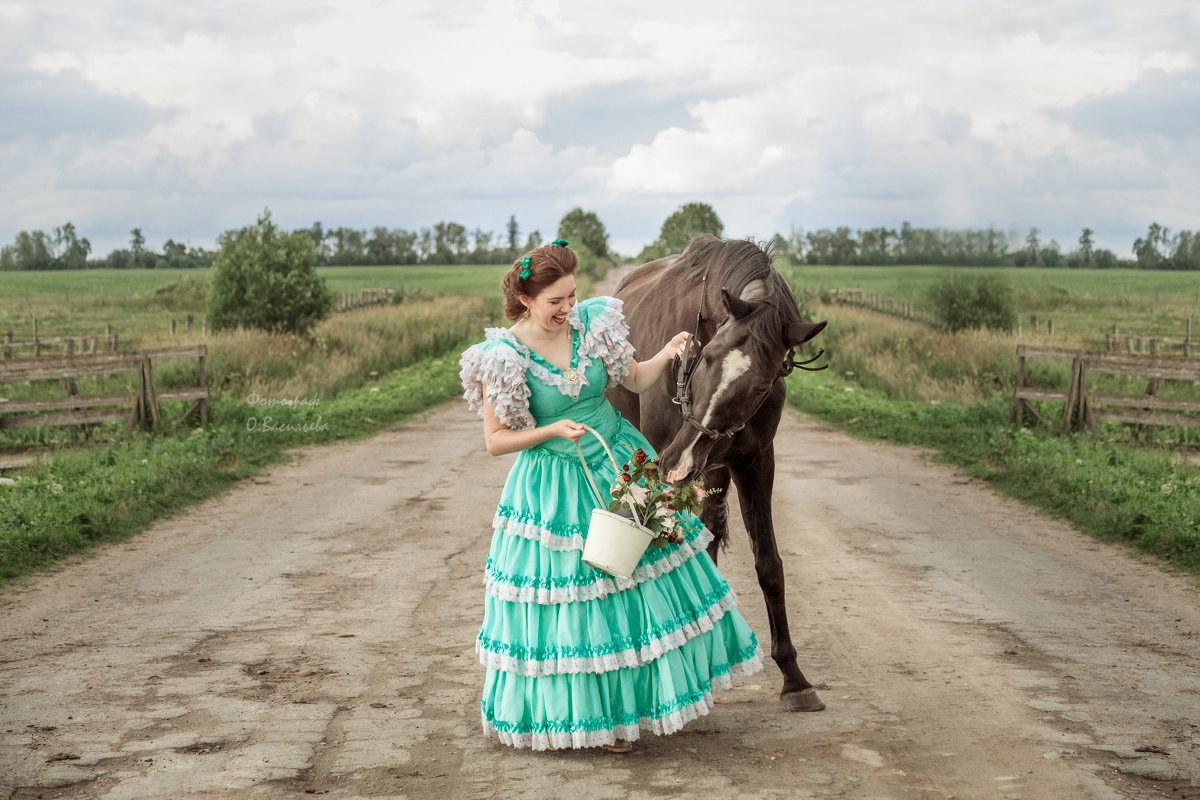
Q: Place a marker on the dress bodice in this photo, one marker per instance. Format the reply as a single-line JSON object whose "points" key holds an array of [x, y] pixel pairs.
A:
{"points": [[528, 391]]}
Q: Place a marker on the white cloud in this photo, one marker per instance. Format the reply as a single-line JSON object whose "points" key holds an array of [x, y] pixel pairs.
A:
{"points": [[361, 113]]}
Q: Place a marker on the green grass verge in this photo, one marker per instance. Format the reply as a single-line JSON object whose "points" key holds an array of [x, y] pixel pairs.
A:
{"points": [[111, 492], [1148, 498]]}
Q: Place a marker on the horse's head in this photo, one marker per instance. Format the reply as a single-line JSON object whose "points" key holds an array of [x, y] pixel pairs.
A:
{"points": [[740, 370]]}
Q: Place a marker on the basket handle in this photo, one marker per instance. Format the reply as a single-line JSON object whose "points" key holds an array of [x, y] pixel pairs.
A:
{"points": [[587, 471]]}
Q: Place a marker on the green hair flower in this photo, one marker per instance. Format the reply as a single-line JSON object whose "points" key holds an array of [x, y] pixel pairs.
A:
{"points": [[560, 242], [526, 263]]}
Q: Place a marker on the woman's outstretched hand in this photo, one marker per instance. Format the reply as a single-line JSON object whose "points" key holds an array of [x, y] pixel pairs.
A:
{"points": [[569, 430], [675, 347]]}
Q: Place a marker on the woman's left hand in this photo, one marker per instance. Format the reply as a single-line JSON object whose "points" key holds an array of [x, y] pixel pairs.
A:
{"points": [[675, 347]]}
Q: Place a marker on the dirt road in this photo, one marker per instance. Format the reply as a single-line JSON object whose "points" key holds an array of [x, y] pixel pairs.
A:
{"points": [[311, 633]]}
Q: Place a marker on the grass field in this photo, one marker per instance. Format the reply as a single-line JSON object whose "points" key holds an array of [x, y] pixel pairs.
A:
{"points": [[1084, 304], [889, 378], [140, 304], [84, 284]]}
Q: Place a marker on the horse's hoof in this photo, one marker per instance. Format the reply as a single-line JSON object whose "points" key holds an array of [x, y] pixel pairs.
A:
{"points": [[804, 700]]}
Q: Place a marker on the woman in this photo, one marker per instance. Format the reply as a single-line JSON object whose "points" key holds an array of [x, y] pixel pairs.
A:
{"points": [[574, 657]]}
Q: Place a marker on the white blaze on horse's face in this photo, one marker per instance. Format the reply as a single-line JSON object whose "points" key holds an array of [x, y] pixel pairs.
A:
{"points": [[735, 365]]}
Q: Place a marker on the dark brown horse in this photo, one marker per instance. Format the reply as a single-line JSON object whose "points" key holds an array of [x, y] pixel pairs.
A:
{"points": [[720, 421]]}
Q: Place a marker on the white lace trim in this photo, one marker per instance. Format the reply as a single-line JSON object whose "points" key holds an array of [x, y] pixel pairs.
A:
{"points": [[608, 339], [659, 726], [534, 532], [603, 585], [503, 370], [568, 665]]}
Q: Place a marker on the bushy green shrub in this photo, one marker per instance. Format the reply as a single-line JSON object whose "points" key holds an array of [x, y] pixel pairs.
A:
{"points": [[266, 279], [965, 303]]}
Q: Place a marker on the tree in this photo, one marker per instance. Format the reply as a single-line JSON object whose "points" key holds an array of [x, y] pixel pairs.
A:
{"points": [[876, 246], [267, 280], [33, 251], [586, 228], [513, 233], [70, 252], [1186, 252], [317, 232], [424, 245], [534, 241], [1051, 254], [483, 245], [449, 243], [1032, 246], [961, 303], [1086, 246], [175, 254], [690, 219], [1106, 259], [1151, 249], [137, 245]]}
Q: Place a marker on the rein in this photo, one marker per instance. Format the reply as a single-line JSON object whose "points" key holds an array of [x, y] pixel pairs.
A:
{"points": [[687, 368]]}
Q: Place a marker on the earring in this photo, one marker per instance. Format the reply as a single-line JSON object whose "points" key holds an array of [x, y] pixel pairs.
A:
{"points": [[524, 316]]}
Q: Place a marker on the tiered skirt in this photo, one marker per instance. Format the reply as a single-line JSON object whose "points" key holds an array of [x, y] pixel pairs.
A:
{"points": [[576, 658]]}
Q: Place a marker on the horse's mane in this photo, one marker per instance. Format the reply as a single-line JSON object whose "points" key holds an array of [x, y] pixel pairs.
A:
{"points": [[734, 264]]}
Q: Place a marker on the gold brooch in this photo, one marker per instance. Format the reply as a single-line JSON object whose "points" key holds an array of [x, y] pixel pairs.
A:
{"points": [[571, 376]]}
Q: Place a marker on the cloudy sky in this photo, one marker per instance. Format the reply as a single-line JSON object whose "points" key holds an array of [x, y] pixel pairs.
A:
{"points": [[187, 119]]}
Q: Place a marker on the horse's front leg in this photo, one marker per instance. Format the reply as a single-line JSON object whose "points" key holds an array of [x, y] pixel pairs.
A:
{"points": [[715, 514], [755, 482]]}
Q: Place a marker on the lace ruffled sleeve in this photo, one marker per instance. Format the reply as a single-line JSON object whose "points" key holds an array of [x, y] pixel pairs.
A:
{"points": [[608, 334], [498, 368]]}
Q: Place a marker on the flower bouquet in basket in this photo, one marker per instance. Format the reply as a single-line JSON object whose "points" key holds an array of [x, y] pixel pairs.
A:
{"points": [[642, 495]]}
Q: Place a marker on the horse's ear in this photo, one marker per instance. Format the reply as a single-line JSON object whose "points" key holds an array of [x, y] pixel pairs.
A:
{"points": [[800, 332], [735, 305]]}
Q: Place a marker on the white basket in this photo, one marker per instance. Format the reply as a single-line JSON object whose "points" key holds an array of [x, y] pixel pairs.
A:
{"points": [[614, 543]]}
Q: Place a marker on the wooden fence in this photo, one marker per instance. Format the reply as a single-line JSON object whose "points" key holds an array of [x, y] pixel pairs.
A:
{"points": [[905, 310], [140, 409], [363, 298], [881, 304], [18, 345], [1084, 407], [1152, 343]]}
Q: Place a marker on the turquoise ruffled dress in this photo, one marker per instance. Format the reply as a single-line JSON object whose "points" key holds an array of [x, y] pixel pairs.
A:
{"points": [[576, 658]]}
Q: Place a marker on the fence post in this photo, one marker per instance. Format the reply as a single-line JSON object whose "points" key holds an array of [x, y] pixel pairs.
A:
{"points": [[203, 382], [1049, 327], [1033, 321], [1073, 391], [1020, 383]]}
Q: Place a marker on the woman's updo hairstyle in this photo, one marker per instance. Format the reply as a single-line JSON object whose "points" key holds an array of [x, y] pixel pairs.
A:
{"points": [[545, 266]]}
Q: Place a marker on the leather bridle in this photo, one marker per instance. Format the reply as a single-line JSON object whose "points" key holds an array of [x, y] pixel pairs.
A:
{"points": [[687, 368]]}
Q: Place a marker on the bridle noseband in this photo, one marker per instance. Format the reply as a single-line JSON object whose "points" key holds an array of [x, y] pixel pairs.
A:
{"points": [[687, 368]]}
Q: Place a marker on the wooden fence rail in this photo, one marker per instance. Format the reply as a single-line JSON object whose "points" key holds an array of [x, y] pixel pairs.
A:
{"points": [[363, 298], [881, 304], [906, 310], [38, 344], [1083, 407], [140, 409], [1153, 343]]}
